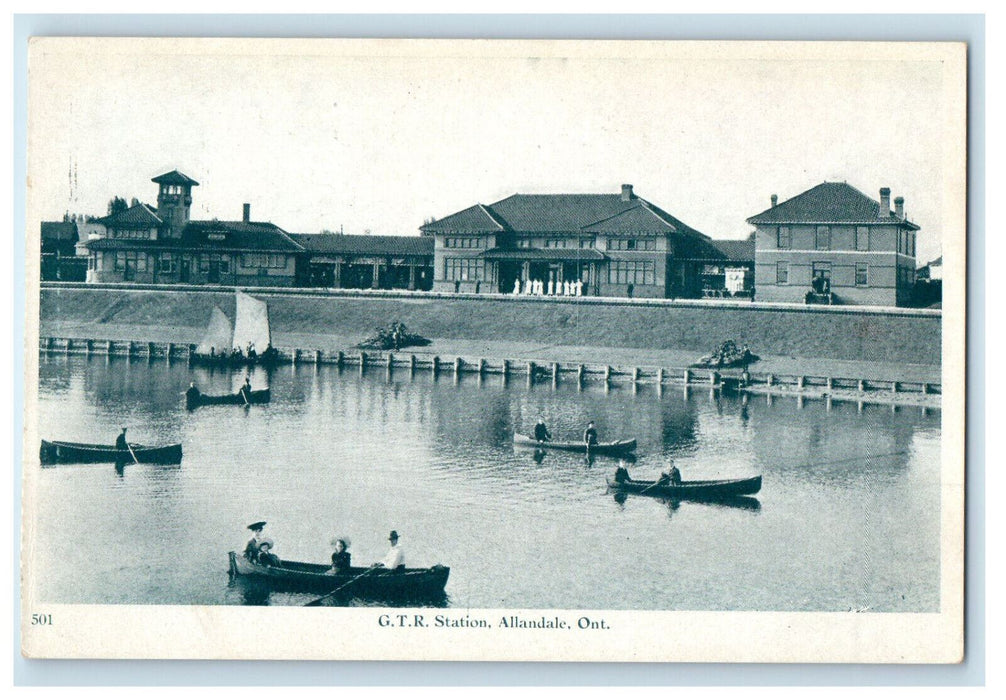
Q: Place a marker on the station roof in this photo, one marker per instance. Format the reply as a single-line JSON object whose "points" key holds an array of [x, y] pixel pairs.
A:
{"points": [[349, 244], [136, 217], [231, 236], [830, 203], [174, 178]]}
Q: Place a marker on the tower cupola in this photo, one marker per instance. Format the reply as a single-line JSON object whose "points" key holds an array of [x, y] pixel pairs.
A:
{"points": [[174, 198]]}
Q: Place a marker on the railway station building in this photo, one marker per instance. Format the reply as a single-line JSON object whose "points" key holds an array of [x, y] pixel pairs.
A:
{"points": [[835, 245], [616, 245]]}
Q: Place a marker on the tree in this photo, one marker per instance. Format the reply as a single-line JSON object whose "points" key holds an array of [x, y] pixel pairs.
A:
{"points": [[117, 204]]}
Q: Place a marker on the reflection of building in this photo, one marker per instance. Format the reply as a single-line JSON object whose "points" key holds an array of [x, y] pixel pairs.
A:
{"points": [[161, 245], [368, 262], [833, 244], [59, 255], [614, 244]]}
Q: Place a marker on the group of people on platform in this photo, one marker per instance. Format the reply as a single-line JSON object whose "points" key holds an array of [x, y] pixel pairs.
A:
{"points": [[566, 288], [259, 551]]}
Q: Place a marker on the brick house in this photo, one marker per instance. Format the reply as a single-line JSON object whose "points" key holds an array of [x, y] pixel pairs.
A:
{"points": [[833, 244]]}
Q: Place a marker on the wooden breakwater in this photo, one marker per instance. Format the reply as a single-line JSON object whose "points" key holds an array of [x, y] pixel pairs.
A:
{"points": [[532, 371]]}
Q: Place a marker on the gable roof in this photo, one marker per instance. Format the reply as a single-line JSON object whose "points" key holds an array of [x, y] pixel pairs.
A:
{"points": [[232, 236], [562, 213], [174, 178], [736, 250], [829, 203], [137, 216], [348, 244]]}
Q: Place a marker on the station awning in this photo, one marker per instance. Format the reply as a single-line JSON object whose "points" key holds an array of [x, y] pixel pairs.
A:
{"points": [[544, 254]]}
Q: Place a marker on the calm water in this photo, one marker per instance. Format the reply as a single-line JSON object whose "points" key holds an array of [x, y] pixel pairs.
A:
{"points": [[344, 454]]}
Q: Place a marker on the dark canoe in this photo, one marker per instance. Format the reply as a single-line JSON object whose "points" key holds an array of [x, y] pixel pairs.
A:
{"points": [[692, 490], [57, 452], [295, 576], [600, 448], [254, 396]]}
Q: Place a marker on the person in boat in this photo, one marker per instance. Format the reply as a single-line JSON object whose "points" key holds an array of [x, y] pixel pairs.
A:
{"points": [[674, 474], [621, 473], [246, 390], [120, 442], [590, 435], [192, 394], [265, 555], [252, 548], [251, 351], [394, 560], [340, 556], [664, 480], [541, 433]]}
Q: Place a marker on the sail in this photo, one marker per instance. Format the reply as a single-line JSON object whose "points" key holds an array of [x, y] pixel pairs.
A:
{"points": [[218, 334], [251, 324]]}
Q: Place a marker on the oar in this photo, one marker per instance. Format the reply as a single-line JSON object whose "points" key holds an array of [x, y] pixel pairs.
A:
{"points": [[130, 448], [317, 601], [244, 395]]}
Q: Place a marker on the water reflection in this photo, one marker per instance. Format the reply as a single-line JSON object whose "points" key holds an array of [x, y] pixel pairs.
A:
{"points": [[340, 451]]}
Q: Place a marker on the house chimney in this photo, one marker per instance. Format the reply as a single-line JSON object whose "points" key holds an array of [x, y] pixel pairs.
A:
{"points": [[246, 215], [885, 202], [775, 199], [899, 207], [626, 193]]}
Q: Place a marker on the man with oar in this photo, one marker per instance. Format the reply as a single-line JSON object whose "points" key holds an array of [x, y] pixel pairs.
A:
{"points": [[394, 560], [123, 446]]}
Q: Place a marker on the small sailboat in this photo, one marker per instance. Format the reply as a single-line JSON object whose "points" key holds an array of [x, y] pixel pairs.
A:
{"points": [[248, 341]]}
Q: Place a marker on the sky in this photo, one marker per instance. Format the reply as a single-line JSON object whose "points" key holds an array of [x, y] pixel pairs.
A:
{"points": [[379, 137]]}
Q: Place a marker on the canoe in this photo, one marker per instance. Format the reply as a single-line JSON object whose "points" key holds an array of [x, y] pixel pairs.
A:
{"points": [[410, 584], [600, 448], [57, 451], [692, 490], [254, 396]]}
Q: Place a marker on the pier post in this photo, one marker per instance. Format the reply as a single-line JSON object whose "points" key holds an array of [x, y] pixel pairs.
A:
{"points": [[340, 359], [87, 347], [412, 364], [482, 366], [770, 380], [745, 378], [457, 366], [799, 382], [579, 374], [167, 352], [861, 386], [49, 343], [687, 376], [150, 351], [635, 375], [296, 356], [391, 361], [530, 369], [830, 384], [363, 361], [66, 346], [435, 365], [555, 373], [925, 389], [607, 373], [506, 369], [660, 376], [129, 349], [317, 357], [894, 387], [714, 378], [190, 351]]}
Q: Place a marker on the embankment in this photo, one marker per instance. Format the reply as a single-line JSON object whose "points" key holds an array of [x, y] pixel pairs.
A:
{"points": [[837, 333]]}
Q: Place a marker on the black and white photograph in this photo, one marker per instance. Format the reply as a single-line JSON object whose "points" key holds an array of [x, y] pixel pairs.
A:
{"points": [[494, 350]]}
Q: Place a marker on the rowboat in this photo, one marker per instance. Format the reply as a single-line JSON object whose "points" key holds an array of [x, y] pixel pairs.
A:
{"points": [[254, 396], [408, 584], [600, 448], [691, 490], [57, 451]]}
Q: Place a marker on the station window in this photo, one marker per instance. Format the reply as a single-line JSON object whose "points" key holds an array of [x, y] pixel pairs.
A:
{"points": [[862, 275], [631, 272], [782, 273], [862, 238], [823, 238], [463, 269], [784, 238]]}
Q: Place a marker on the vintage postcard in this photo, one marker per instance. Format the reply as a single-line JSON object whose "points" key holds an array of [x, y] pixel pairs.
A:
{"points": [[495, 350]]}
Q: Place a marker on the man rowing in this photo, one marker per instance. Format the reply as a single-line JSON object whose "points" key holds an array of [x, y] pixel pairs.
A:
{"points": [[120, 442], [590, 436], [541, 433], [246, 390], [394, 560]]}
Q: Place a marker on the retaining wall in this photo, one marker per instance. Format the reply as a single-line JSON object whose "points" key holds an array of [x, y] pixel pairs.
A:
{"points": [[844, 333]]}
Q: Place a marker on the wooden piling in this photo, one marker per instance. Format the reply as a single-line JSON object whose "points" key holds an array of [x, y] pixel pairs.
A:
{"points": [[607, 373], [435, 365], [579, 374], [830, 383], [861, 386], [506, 369], [482, 366], [799, 382], [49, 342], [412, 364], [340, 359], [770, 380], [555, 373], [925, 389], [150, 351], [317, 357], [87, 347], [129, 349], [530, 370], [457, 366], [391, 361], [894, 387], [714, 378], [687, 376], [635, 375], [660, 376], [363, 361]]}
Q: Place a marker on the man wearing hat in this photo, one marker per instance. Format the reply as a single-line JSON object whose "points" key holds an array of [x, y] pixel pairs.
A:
{"points": [[394, 560], [252, 548], [120, 442]]}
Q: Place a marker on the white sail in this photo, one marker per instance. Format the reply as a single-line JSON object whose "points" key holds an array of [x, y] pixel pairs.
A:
{"points": [[218, 334], [251, 324]]}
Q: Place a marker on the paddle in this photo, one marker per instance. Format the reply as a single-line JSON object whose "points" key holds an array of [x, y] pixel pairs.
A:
{"points": [[130, 448], [244, 395], [317, 601]]}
